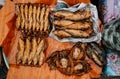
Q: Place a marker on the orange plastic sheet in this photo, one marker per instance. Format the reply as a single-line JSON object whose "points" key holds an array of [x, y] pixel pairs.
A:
{"points": [[73, 2], [9, 40]]}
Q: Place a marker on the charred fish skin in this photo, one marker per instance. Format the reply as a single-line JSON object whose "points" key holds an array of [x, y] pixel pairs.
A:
{"points": [[62, 61], [77, 33], [51, 60], [75, 16], [80, 15], [61, 34], [77, 54], [66, 24], [59, 60], [81, 68], [62, 13], [97, 54], [21, 51], [81, 50], [80, 65], [100, 52]]}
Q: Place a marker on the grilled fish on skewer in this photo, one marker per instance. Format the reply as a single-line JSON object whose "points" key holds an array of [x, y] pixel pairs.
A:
{"points": [[30, 16], [22, 16], [26, 12], [17, 9], [38, 18], [22, 24], [42, 17], [26, 17], [73, 15], [18, 20], [34, 12], [37, 26], [34, 26], [61, 33], [27, 51], [41, 58], [22, 11], [72, 25], [46, 23], [38, 13], [38, 40], [34, 18], [35, 60], [26, 26], [21, 51], [34, 48], [40, 48]]}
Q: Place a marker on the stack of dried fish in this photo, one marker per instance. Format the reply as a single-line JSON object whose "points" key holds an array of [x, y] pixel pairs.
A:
{"points": [[33, 19], [73, 62], [31, 51], [72, 24]]}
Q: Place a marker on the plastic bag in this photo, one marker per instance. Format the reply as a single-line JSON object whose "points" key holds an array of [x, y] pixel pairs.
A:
{"points": [[96, 35]]}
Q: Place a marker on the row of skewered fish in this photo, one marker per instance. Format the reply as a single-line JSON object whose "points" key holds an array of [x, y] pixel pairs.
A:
{"points": [[73, 62], [72, 24], [33, 19], [31, 51]]}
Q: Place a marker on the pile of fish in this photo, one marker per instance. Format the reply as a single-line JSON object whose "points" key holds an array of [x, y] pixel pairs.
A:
{"points": [[72, 24], [33, 19], [111, 35], [31, 51], [33, 24], [73, 61]]}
